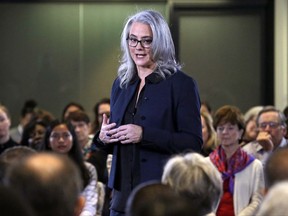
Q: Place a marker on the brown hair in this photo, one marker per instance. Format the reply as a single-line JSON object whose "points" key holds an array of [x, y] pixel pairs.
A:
{"points": [[229, 114]]}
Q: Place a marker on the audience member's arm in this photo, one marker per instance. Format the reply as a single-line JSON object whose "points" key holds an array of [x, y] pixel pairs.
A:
{"points": [[90, 193]]}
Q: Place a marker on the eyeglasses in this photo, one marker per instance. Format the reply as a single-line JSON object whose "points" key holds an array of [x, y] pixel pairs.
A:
{"points": [[57, 136], [228, 128], [145, 42], [273, 125]]}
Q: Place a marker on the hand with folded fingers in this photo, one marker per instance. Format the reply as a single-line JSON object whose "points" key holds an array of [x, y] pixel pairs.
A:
{"points": [[107, 131], [265, 140], [129, 133]]}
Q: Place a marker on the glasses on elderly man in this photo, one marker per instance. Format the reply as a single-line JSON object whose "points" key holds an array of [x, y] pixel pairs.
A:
{"points": [[271, 124], [145, 42]]}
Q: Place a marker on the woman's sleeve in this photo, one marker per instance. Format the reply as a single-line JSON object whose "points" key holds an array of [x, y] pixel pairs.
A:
{"points": [[90, 193], [187, 132]]}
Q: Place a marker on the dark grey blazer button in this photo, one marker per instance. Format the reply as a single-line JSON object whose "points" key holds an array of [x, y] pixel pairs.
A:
{"points": [[143, 117]]}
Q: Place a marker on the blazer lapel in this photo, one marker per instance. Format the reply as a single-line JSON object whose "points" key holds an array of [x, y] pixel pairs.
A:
{"points": [[122, 102]]}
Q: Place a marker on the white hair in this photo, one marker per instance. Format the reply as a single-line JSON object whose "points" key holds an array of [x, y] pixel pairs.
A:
{"points": [[275, 202], [162, 47], [195, 177]]}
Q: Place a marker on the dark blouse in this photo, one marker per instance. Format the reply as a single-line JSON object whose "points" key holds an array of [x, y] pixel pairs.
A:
{"points": [[130, 156], [9, 144]]}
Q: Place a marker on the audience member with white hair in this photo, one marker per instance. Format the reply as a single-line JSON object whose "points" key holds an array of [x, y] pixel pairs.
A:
{"points": [[196, 178], [275, 202]]}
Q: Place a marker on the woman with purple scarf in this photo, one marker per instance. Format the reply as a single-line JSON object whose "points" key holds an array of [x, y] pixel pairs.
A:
{"points": [[242, 174]]}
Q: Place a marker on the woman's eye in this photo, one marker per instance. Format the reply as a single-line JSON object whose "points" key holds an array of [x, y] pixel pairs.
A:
{"points": [[148, 41]]}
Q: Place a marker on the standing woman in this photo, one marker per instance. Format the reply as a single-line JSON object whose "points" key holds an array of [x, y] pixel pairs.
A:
{"points": [[242, 175], [60, 137], [155, 108]]}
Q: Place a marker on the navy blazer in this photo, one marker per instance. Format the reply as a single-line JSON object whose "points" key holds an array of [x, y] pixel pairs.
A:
{"points": [[169, 116]]}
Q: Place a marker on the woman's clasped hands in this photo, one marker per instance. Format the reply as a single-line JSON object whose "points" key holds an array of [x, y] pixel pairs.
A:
{"points": [[125, 134]]}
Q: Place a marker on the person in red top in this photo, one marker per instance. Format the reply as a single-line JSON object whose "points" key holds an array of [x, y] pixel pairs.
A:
{"points": [[242, 174]]}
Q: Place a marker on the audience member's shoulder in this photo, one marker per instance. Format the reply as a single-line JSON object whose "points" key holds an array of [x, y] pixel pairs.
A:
{"points": [[12, 203], [257, 163], [275, 202], [91, 169], [251, 146]]}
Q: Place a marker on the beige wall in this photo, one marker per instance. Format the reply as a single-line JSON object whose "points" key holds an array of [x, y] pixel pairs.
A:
{"points": [[281, 57], [61, 52]]}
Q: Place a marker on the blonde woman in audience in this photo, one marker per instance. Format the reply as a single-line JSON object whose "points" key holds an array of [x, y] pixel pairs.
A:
{"points": [[242, 174], [5, 122], [209, 135], [194, 177]]}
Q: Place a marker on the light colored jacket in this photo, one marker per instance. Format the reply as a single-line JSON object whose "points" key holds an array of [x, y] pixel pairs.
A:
{"points": [[248, 189]]}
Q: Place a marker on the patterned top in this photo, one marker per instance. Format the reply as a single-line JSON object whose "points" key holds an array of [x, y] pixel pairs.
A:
{"points": [[90, 193]]}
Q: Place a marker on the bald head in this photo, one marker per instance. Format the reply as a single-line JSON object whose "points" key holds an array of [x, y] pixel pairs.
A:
{"points": [[50, 182], [46, 166]]}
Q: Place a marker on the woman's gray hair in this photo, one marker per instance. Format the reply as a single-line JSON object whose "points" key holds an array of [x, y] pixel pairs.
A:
{"points": [[275, 202], [162, 47], [195, 177]]}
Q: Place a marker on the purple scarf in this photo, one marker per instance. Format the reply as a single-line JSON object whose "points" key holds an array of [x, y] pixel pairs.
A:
{"points": [[228, 168]]}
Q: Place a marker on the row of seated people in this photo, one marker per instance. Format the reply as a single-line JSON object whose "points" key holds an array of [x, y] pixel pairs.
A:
{"points": [[76, 142], [30, 111], [192, 185], [226, 154], [263, 129], [45, 183]]}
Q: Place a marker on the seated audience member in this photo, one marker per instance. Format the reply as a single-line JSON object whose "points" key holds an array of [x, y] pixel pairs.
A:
{"points": [[205, 107], [272, 128], [81, 122], [242, 174], [251, 131], [43, 115], [275, 202], [156, 199], [285, 112], [209, 135], [194, 177], [33, 134], [11, 156], [276, 168], [27, 113], [13, 204], [50, 183], [101, 107], [71, 107], [61, 138], [5, 122]]}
